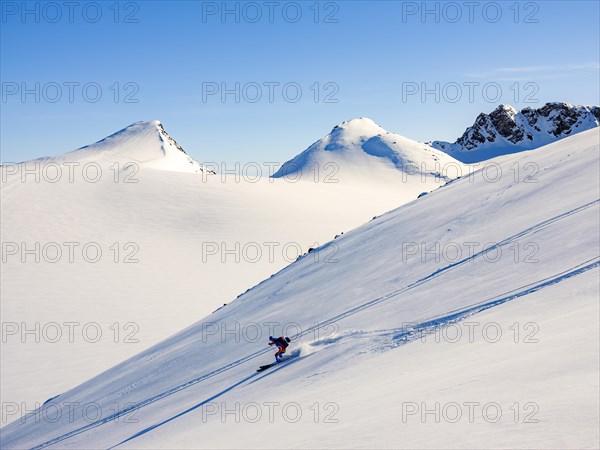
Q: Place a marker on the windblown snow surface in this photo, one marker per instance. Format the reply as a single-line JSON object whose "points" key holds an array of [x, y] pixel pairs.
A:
{"points": [[176, 242], [491, 347]]}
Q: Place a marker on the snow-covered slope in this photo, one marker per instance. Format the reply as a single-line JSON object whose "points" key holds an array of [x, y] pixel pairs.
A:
{"points": [[506, 131], [173, 246], [512, 265], [361, 149]]}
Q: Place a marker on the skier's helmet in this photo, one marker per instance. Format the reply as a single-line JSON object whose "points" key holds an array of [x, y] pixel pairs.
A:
{"points": [[271, 338]]}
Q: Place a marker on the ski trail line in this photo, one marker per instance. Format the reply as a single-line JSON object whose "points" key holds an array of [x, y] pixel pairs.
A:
{"points": [[446, 269], [204, 402]]}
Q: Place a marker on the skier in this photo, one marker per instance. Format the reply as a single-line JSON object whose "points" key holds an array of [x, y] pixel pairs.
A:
{"points": [[281, 343]]}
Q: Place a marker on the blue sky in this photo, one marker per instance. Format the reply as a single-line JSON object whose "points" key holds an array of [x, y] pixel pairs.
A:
{"points": [[170, 61]]}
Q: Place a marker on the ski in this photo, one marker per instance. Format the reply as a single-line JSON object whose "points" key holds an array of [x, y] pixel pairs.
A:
{"points": [[261, 368], [266, 366]]}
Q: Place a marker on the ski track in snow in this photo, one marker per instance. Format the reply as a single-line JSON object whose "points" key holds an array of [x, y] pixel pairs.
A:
{"points": [[403, 336], [208, 400]]}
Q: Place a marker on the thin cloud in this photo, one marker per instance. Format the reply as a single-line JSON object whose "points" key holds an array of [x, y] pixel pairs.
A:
{"points": [[545, 71]]}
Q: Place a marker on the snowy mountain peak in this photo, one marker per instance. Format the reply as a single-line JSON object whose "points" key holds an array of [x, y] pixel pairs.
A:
{"points": [[506, 130], [142, 128], [361, 126], [352, 133], [144, 143], [359, 148]]}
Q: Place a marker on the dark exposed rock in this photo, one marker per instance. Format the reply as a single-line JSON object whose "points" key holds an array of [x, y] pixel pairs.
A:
{"points": [[528, 128]]}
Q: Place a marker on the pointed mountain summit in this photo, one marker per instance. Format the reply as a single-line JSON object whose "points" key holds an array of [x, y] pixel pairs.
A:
{"points": [[359, 148], [506, 130], [144, 143]]}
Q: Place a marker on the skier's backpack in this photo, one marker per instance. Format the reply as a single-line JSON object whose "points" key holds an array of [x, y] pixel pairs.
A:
{"points": [[285, 342]]}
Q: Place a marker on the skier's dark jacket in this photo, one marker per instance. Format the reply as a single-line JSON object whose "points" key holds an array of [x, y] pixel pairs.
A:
{"points": [[281, 342]]}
